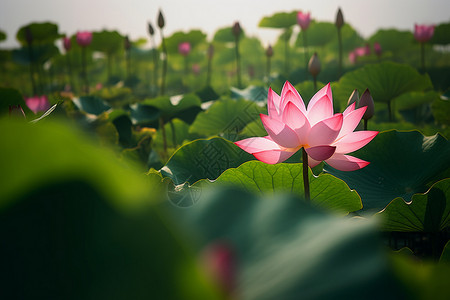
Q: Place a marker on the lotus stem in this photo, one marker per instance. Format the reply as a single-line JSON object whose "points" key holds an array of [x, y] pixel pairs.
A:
{"points": [[365, 124], [174, 137], [164, 67], [306, 176], [238, 62], [208, 74], [422, 56], [286, 53], [315, 83], [83, 72], [305, 45], [155, 62], [268, 68], [390, 111], [340, 53], [164, 136]]}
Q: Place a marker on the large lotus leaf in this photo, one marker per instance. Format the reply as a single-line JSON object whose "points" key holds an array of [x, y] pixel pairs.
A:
{"points": [[226, 117], [401, 164], [91, 104], [441, 34], [203, 159], [2, 36], [279, 20], [386, 81], [41, 33], [181, 134], [254, 128], [40, 54], [414, 99], [441, 111], [319, 34], [326, 190], [392, 39], [107, 41], [429, 212], [225, 35], [207, 94], [144, 114], [10, 97], [445, 257], [283, 248], [253, 93], [170, 107], [72, 215], [306, 89], [194, 37]]}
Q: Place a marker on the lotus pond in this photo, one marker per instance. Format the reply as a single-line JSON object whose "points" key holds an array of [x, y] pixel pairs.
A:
{"points": [[314, 168]]}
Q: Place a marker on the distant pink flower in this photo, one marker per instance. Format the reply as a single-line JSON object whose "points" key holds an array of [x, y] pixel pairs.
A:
{"points": [[360, 51], [184, 48], [67, 43], [84, 38], [423, 33], [377, 48], [98, 86], [303, 19], [37, 104], [352, 57], [325, 136], [16, 111], [220, 262], [367, 49]]}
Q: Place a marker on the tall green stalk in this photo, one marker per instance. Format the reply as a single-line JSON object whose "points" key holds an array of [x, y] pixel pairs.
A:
{"points": [[306, 176]]}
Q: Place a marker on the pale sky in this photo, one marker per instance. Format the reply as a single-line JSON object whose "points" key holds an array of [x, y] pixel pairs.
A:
{"points": [[131, 16]]}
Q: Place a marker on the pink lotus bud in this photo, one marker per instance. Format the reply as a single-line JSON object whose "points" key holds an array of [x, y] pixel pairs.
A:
{"points": [[360, 51], [314, 65], [161, 21], [37, 104], [269, 51], [98, 86], [303, 19], [377, 48], [339, 19], [84, 38], [67, 43], [236, 29], [367, 100], [423, 33], [16, 112], [220, 262], [354, 98], [184, 48]]}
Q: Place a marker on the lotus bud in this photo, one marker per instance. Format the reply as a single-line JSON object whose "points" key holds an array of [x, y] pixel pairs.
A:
{"points": [[339, 19], [210, 51], [161, 22], [236, 29], [269, 51], [220, 262], [150, 29], [67, 43], [127, 43], [84, 38], [367, 100], [377, 48], [354, 98], [314, 65], [303, 19], [16, 112], [184, 48], [28, 35]]}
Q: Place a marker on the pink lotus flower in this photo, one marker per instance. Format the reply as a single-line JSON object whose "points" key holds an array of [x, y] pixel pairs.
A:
{"points": [[377, 48], [67, 43], [37, 104], [423, 33], [303, 19], [84, 38], [184, 48], [325, 136]]}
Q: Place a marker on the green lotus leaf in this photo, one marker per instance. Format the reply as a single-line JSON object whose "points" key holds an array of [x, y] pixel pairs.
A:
{"points": [[41, 32], [445, 257], [194, 37], [41, 54], [253, 93], [169, 108], [107, 41], [441, 34], [91, 104], [428, 212], [414, 99], [9, 97], [326, 190], [392, 40], [227, 117], [279, 20], [207, 94], [386, 81], [401, 164], [441, 111], [307, 249], [69, 209], [318, 34], [181, 134], [203, 159], [2, 36]]}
